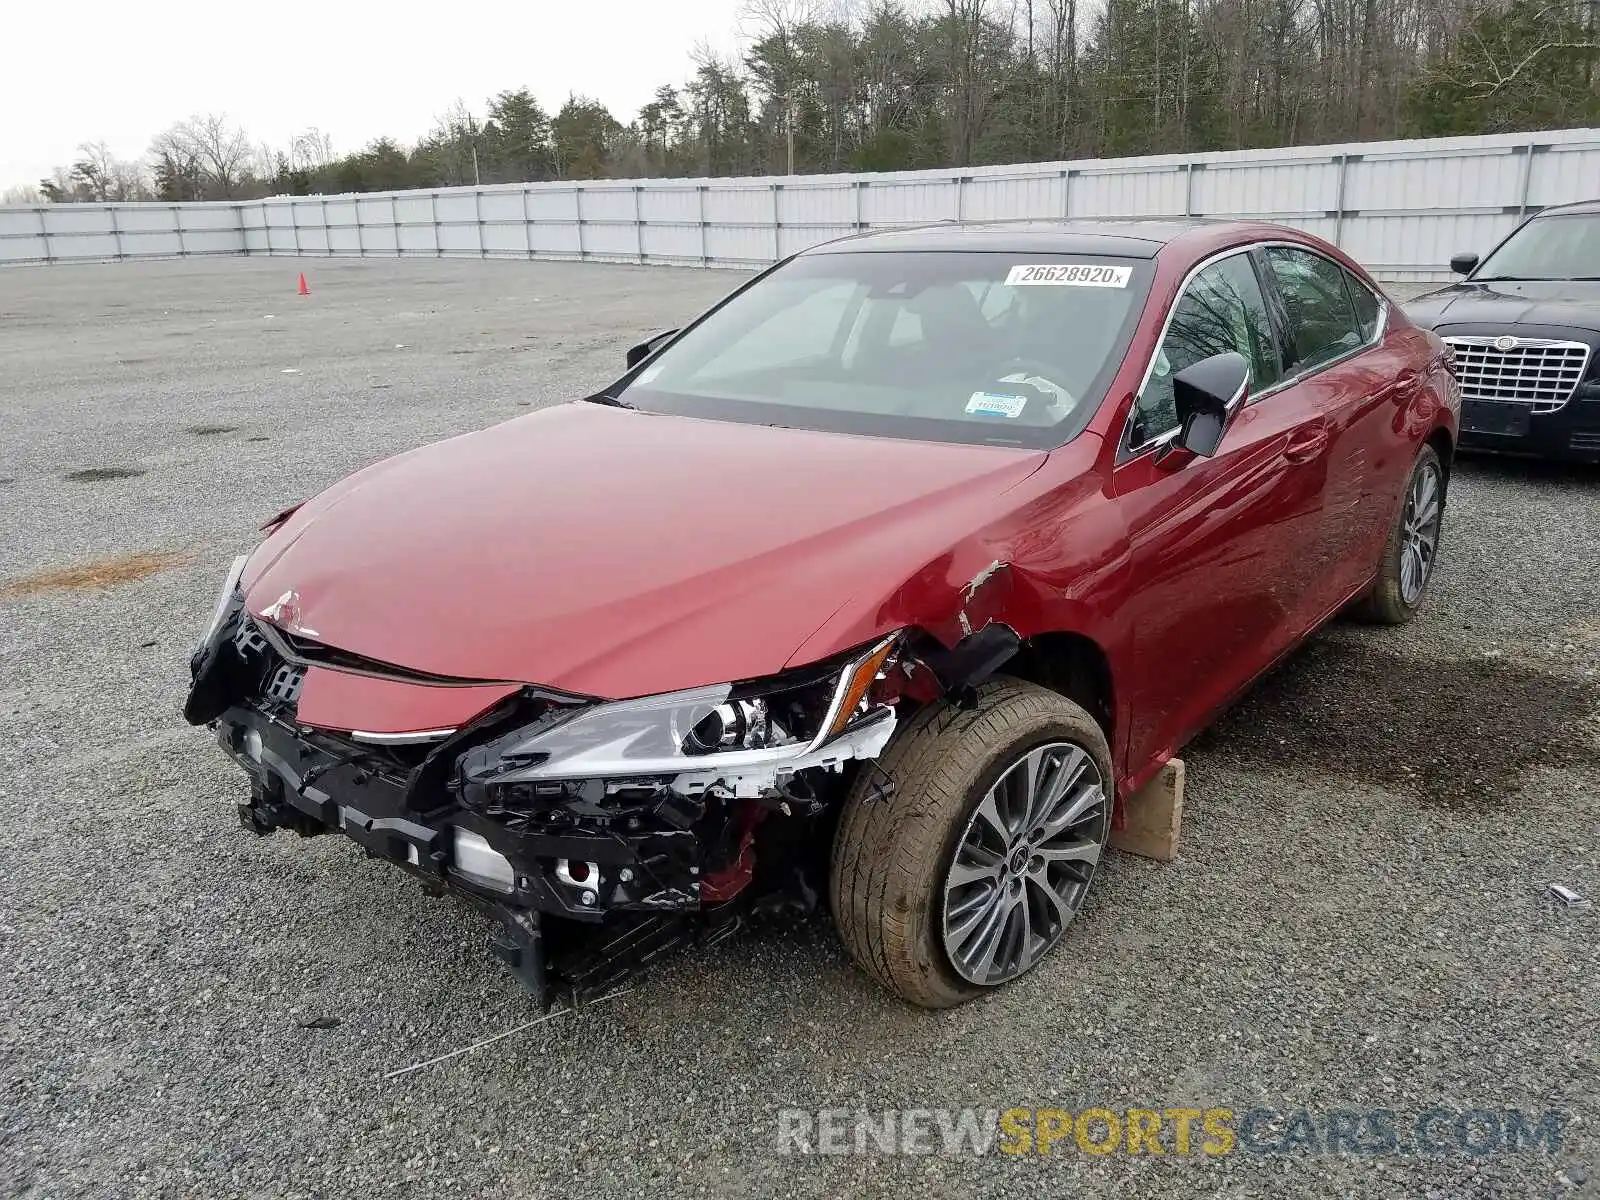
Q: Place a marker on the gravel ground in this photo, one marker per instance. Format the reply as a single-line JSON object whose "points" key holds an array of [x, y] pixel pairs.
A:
{"points": [[1358, 919]]}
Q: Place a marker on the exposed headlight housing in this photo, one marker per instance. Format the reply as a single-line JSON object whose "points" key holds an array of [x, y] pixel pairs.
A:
{"points": [[718, 728]]}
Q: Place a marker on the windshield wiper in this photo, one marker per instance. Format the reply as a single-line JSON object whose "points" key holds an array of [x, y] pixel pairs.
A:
{"points": [[609, 401]]}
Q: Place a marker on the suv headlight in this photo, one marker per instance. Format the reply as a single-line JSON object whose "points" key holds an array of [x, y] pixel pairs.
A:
{"points": [[721, 726]]}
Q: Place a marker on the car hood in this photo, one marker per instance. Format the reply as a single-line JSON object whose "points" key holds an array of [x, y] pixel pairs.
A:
{"points": [[615, 553], [1559, 303]]}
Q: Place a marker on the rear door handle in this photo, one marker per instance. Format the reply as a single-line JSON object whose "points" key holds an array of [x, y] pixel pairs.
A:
{"points": [[1398, 390], [1307, 442]]}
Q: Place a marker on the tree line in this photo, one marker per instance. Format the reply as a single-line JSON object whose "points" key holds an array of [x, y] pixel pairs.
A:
{"points": [[873, 85]]}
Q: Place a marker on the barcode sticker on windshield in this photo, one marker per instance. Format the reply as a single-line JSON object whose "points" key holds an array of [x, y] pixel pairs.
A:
{"points": [[1070, 275], [996, 404]]}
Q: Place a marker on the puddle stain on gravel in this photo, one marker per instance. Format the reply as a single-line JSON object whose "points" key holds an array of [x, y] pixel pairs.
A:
{"points": [[1447, 732], [102, 474], [99, 574]]}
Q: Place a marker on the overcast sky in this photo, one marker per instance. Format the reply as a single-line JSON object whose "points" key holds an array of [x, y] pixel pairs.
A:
{"points": [[89, 69]]}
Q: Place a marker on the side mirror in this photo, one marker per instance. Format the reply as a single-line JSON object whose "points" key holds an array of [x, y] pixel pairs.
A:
{"points": [[1462, 264], [637, 354], [1207, 394]]}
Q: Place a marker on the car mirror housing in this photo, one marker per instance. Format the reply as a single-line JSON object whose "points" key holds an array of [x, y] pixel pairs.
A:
{"points": [[1207, 394], [1462, 264], [637, 354]]}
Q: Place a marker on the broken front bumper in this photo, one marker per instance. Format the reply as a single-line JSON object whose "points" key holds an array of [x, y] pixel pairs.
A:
{"points": [[307, 782], [589, 873]]}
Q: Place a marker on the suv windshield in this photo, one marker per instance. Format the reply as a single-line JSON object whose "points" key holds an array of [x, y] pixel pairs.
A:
{"points": [[1555, 247], [959, 346]]}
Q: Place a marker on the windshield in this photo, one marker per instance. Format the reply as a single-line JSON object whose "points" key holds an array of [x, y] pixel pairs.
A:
{"points": [[1548, 248], [1011, 349]]}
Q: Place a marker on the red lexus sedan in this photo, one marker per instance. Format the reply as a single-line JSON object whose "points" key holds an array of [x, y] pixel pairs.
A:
{"points": [[887, 578]]}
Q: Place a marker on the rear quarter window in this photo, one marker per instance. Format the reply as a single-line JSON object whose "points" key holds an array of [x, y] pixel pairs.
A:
{"points": [[1369, 308]]}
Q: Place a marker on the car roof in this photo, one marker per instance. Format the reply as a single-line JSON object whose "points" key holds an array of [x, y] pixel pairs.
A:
{"points": [[1127, 237], [1577, 207]]}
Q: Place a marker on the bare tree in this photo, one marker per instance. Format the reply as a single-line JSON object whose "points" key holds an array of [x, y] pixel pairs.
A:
{"points": [[966, 24], [777, 20], [310, 150], [1061, 60], [176, 165], [719, 109], [264, 161], [59, 187], [101, 175], [218, 149], [96, 170], [1487, 69]]}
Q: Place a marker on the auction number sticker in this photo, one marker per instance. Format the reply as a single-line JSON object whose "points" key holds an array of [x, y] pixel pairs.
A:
{"points": [[1069, 275], [996, 404]]}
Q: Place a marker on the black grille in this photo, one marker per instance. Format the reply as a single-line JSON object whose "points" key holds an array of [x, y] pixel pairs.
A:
{"points": [[248, 640], [275, 681], [283, 685]]}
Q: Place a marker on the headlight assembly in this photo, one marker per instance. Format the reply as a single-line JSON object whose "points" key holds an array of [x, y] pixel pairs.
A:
{"points": [[229, 586], [721, 727]]}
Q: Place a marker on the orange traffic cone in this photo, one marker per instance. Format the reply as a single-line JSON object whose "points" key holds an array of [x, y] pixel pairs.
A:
{"points": [[304, 290]]}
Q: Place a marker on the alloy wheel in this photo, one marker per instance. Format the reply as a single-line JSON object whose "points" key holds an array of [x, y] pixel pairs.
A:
{"points": [[1419, 534], [1024, 863]]}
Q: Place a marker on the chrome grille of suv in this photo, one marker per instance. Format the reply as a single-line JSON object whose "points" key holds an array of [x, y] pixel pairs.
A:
{"points": [[1532, 371]]}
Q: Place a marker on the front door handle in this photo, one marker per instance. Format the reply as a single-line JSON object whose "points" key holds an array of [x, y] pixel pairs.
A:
{"points": [[1307, 442]]}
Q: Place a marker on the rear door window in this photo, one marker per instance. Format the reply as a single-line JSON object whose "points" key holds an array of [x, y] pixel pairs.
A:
{"points": [[1322, 319]]}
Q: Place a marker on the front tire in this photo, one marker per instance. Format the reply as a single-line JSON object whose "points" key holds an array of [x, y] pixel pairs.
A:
{"points": [[965, 851], [1411, 548]]}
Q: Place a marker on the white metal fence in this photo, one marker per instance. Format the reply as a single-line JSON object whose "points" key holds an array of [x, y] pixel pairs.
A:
{"points": [[1402, 208], [53, 233]]}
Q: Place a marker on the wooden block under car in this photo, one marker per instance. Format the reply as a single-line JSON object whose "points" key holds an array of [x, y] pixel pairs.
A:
{"points": [[1154, 816]]}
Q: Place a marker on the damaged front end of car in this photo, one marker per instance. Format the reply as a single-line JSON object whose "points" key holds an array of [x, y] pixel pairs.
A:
{"points": [[597, 834]]}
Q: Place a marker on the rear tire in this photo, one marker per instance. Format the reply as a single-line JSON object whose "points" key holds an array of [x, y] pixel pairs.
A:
{"points": [[911, 821], [1409, 553]]}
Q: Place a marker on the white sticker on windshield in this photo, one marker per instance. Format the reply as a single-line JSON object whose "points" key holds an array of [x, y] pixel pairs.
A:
{"points": [[996, 404], [1069, 275]]}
